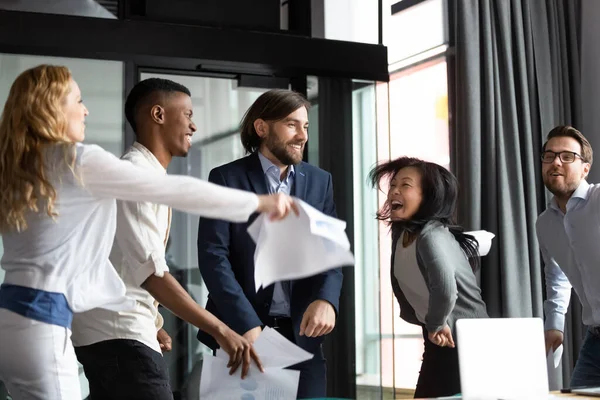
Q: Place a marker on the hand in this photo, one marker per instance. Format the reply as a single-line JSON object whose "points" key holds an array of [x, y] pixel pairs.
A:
{"points": [[553, 339], [442, 337], [318, 319], [240, 351], [252, 334], [164, 340], [277, 205]]}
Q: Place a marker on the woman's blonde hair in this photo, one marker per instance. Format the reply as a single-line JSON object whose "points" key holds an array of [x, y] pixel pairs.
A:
{"points": [[33, 120]]}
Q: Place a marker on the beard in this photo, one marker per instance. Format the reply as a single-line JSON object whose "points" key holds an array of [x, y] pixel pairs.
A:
{"points": [[281, 150], [561, 187]]}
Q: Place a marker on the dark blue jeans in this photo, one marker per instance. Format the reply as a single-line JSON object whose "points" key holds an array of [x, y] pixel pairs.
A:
{"points": [[587, 369], [124, 370]]}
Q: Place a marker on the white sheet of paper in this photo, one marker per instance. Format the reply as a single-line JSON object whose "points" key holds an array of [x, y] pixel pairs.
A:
{"points": [[554, 356], [273, 384], [274, 350], [484, 238], [298, 246]]}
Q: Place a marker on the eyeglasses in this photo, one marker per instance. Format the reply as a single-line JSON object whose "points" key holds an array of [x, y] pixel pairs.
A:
{"points": [[566, 157]]}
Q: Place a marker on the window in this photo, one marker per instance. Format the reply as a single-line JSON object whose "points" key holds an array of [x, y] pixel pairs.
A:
{"points": [[415, 30], [418, 127], [419, 113], [352, 20], [410, 119], [407, 116], [101, 84], [368, 366], [312, 94]]}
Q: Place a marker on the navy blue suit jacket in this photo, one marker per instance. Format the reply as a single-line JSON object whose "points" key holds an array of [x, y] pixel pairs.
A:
{"points": [[226, 255]]}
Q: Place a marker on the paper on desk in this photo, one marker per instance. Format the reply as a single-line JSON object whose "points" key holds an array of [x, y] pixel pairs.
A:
{"points": [[554, 356], [298, 246], [484, 238], [274, 350], [273, 384]]}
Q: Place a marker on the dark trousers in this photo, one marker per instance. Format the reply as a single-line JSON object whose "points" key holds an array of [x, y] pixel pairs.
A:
{"points": [[587, 368], [313, 372], [439, 375], [124, 370]]}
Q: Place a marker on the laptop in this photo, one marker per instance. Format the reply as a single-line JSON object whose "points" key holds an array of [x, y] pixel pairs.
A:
{"points": [[502, 358]]}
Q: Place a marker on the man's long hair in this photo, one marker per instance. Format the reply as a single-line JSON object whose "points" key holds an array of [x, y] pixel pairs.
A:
{"points": [[271, 106]]}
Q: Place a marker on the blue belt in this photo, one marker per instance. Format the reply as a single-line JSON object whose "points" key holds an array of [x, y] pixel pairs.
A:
{"points": [[48, 307]]}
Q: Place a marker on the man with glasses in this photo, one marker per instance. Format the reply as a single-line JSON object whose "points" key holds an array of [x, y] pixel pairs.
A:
{"points": [[569, 236]]}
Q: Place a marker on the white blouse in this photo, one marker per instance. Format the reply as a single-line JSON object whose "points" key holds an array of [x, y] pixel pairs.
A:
{"points": [[70, 254]]}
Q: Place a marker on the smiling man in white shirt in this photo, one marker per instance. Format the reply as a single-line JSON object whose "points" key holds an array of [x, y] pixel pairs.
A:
{"points": [[569, 236], [122, 351]]}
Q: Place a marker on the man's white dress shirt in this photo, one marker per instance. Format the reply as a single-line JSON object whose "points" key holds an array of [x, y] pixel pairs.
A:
{"points": [[138, 252], [570, 245]]}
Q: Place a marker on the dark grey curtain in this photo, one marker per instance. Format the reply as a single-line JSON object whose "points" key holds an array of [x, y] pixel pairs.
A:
{"points": [[516, 77]]}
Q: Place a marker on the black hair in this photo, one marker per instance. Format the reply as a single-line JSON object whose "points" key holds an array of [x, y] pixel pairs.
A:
{"points": [[439, 189], [144, 92]]}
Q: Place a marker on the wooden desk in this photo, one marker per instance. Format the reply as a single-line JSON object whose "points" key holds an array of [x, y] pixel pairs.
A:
{"points": [[574, 396]]}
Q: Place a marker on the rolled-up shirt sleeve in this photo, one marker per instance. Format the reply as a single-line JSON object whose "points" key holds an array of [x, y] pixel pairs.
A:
{"points": [[140, 240]]}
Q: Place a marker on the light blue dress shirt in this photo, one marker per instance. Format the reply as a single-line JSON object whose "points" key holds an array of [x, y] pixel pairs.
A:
{"points": [[280, 305], [570, 246]]}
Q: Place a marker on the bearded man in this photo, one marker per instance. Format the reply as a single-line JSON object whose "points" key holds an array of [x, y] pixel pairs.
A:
{"points": [[274, 132]]}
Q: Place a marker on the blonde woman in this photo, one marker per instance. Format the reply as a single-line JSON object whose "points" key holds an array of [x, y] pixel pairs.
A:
{"points": [[57, 219]]}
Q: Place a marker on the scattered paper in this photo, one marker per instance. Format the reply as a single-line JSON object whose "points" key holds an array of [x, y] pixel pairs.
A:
{"points": [[276, 383], [554, 356], [273, 384], [274, 350], [484, 238], [298, 246]]}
